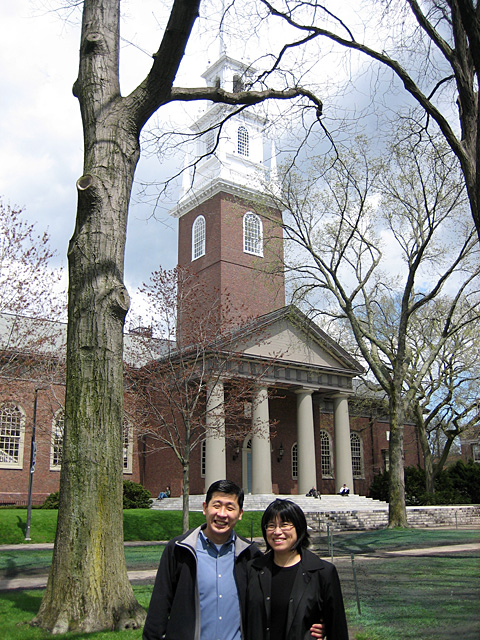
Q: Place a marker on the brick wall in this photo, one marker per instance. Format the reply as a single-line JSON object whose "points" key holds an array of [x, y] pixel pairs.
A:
{"points": [[249, 285], [14, 481]]}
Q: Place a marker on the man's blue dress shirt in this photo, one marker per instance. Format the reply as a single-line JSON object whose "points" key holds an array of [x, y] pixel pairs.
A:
{"points": [[219, 603]]}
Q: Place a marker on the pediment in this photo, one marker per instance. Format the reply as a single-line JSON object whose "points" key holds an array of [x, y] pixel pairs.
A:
{"points": [[290, 337]]}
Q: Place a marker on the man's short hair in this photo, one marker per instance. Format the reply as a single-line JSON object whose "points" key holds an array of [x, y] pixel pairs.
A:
{"points": [[228, 487]]}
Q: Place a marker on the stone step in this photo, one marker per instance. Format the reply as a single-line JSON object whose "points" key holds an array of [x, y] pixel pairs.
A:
{"points": [[259, 502], [350, 513]]}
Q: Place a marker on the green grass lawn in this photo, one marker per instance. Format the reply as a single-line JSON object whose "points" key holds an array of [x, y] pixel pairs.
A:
{"points": [[414, 598], [365, 542], [17, 608], [138, 524], [407, 598]]}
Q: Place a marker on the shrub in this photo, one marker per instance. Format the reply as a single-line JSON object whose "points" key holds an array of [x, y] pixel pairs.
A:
{"points": [[414, 486], [135, 496], [52, 501], [379, 487], [466, 479], [458, 484]]}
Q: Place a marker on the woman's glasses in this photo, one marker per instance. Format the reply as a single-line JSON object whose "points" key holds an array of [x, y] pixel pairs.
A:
{"points": [[283, 526]]}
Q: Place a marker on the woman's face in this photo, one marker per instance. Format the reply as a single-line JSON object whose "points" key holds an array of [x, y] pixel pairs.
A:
{"points": [[281, 535]]}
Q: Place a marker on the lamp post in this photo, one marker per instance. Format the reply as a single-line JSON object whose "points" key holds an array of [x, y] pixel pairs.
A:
{"points": [[33, 458]]}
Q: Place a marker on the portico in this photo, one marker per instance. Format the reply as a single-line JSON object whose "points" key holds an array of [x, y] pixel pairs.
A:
{"points": [[311, 364]]}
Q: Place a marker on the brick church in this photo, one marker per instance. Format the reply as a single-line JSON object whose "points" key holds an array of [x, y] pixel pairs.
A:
{"points": [[231, 238]]}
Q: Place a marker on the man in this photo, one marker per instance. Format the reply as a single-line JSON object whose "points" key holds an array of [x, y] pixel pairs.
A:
{"points": [[200, 588]]}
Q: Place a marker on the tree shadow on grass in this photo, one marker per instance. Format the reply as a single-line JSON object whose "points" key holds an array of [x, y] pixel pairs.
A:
{"points": [[22, 525], [433, 598], [11, 570], [28, 601]]}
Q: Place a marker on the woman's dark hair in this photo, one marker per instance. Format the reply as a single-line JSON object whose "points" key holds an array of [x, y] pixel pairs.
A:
{"points": [[287, 511]]}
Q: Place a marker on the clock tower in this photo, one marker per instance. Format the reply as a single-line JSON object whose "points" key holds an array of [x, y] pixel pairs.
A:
{"points": [[230, 236]]}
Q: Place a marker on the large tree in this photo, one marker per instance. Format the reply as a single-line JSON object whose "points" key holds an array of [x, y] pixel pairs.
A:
{"points": [[381, 238], [88, 587], [444, 401], [432, 48]]}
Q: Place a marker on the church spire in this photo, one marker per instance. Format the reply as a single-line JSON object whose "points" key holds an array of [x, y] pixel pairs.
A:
{"points": [[221, 35]]}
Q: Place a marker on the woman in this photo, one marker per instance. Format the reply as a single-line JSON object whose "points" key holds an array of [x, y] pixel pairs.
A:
{"points": [[290, 588]]}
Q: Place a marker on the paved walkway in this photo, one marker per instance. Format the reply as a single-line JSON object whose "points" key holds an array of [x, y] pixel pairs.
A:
{"points": [[40, 582]]}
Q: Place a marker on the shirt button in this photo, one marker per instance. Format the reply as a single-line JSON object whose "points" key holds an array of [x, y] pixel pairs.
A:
{"points": [[220, 596], [219, 617], [219, 575], [268, 597]]}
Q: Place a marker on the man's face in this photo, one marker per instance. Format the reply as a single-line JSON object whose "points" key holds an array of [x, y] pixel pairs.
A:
{"points": [[222, 514]]}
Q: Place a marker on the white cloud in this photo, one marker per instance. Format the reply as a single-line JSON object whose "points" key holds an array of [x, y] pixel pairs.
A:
{"points": [[41, 153]]}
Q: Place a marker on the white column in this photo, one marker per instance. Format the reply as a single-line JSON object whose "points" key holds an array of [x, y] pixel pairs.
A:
{"points": [[343, 451], [307, 473], [215, 463], [261, 455]]}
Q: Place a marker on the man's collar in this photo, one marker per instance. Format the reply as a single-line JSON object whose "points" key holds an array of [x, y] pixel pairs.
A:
{"points": [[208, 541]]}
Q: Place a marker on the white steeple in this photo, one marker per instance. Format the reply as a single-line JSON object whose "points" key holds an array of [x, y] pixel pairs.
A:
{"points": [[228, 152]]}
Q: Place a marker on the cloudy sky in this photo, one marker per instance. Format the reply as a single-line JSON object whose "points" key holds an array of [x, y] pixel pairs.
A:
{"points": [[40, 126], [41, 134]]}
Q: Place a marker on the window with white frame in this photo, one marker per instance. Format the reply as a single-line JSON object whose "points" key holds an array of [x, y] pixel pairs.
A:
{"points": [[203, 458], [295, 461], [252, 234], [12, 435], [238, 84], [476, 453], [326, 454], [127, 446], [242, 142], [386, 459], [198, 238], [56, 446], [357, 455], [210, 139]]}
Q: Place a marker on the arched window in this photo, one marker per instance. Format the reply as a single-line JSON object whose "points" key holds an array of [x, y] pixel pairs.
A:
{"points": [[326, 454], [295, 461], [198, 238], [127, 446], [12, 434], [242, 145], [56, 446], [252, 234], [357, 455]]}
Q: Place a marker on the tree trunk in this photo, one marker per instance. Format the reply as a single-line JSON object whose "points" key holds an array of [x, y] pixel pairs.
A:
{"points": [[427, 454], [397, 514], [88, 567], [427, 459], [186, 495]]}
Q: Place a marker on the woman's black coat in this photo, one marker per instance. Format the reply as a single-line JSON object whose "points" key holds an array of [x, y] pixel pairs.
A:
{"points": [[316, 596]]}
